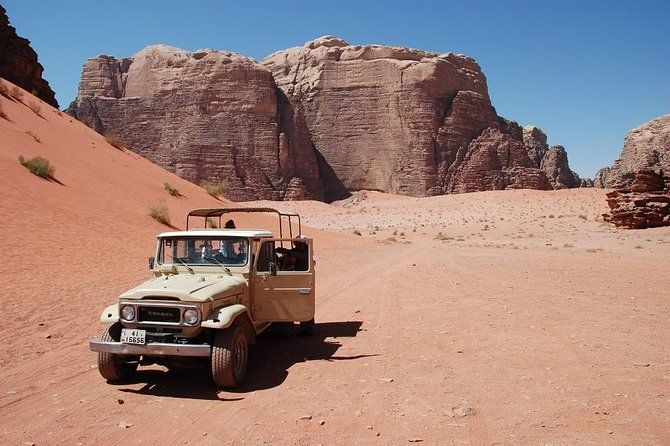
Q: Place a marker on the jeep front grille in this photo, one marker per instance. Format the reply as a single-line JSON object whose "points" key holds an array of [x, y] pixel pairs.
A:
{"points": [[159, 314]]}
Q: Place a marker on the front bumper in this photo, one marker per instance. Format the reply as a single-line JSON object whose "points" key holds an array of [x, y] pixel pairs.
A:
{"points": [[151, 349]]}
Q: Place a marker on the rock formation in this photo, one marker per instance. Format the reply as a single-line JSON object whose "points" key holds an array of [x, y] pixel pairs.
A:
{"points": [[207, 116], [645, 147], [318, 121], [408, 121], [645, 204], [18, 62]]}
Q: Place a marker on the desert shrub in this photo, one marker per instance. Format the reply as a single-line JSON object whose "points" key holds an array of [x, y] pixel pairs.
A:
{"points": [[38, 166], [159, 212], [35, 107], [172, 190], [16, 93], [113, 139], [33, 136], [357, 232], [215, 189]]}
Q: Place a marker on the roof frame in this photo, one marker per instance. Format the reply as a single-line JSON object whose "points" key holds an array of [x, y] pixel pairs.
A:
{"points": [[207, 213]]}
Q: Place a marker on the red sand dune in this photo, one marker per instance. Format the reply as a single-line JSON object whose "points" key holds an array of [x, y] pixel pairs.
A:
{"points": [[514, 317]]}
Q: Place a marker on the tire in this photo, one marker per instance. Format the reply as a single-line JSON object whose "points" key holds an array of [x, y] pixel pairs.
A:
{"points": [[307, 328], [113, 367], [230, 355]]}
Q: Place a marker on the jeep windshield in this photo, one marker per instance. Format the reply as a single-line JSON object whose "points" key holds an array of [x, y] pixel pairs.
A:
{"points": [[212, 251]]}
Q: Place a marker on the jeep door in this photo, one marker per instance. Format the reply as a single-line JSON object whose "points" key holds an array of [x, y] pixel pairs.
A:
{"points": [[283, 281]]}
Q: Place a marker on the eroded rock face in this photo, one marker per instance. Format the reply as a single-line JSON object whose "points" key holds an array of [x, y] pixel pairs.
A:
{"points": [[18, 62], [406, 121], [207, 116], [645, 147], [555, 165], [318, 121], [645, 204]]}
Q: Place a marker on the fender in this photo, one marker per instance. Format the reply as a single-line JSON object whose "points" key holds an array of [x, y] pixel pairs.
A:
{"points": [[110, 314], [223, 317]]}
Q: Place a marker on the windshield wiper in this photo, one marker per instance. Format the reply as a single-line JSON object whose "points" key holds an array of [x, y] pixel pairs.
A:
{"points": [[190, 270], [224, 267]]}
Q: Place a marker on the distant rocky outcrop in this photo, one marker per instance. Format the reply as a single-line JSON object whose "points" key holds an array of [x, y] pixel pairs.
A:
{"points": [[206, 116], [645, 147], [644, 204], [18, 62], [318, 121]]}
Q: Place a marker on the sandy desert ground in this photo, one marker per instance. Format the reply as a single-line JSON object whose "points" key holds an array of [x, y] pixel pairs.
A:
{"points": [[512, 317]]}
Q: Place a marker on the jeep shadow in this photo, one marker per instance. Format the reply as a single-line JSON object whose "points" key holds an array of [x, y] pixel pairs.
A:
{"points": [[269, 362]]}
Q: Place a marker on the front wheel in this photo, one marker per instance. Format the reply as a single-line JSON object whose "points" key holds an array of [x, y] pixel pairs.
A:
{"points": [[114, 367], [229, 357]]}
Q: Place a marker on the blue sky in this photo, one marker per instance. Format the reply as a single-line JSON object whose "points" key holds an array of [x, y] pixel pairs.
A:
{"points": [[585, 72]]}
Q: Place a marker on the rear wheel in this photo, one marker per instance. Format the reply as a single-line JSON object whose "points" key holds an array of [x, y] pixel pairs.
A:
{"points": [[114, 367], [229, 357]]}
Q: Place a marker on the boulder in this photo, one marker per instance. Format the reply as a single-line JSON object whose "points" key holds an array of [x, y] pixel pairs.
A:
{"points": [[646, 204]]}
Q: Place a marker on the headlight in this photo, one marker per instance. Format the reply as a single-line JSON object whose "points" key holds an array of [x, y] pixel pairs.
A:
{"points": [[127, 312], [191, 316]]}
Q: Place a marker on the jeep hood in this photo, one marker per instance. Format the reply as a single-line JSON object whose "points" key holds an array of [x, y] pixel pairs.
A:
{"points": [[187, 288]]}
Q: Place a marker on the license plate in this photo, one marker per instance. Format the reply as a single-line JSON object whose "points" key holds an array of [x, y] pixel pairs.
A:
{"points": [[133, 336]]}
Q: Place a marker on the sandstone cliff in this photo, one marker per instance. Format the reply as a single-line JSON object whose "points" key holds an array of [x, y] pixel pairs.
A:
{"points": [[645, 147], [318, 121], [407, 121], [18, 62], [206, 116]]}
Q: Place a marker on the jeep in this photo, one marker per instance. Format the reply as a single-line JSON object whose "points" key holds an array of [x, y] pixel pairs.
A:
{"points": [[213, 291]]}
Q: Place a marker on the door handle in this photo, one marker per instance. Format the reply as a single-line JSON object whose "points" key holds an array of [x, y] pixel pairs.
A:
{"points": [[304, 290]]}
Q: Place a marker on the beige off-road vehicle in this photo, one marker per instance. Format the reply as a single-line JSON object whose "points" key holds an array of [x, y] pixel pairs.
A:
{"points": [[213, 292]]}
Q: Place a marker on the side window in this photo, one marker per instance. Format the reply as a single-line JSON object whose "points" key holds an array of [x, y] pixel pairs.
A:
{"points": [[292, 256], [265, 256]]}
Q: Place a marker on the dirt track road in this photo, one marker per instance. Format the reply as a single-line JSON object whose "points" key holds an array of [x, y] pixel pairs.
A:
{"points": [[442, 342]]}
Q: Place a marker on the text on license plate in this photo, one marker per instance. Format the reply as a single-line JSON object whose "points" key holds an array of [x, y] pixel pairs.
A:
{"points": [[133, 336]]}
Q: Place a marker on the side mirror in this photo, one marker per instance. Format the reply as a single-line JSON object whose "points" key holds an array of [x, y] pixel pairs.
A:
{"points": [[273, 268], [151, 262]]}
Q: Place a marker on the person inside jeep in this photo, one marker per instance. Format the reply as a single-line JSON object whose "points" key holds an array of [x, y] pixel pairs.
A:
{"points": [[295, 259]]}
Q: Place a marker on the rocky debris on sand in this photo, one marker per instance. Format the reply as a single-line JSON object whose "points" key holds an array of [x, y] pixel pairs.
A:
{"points": [[318, 121], [645, 204], [645, 147], [19, 65], [465, 411], [125, 424]]}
